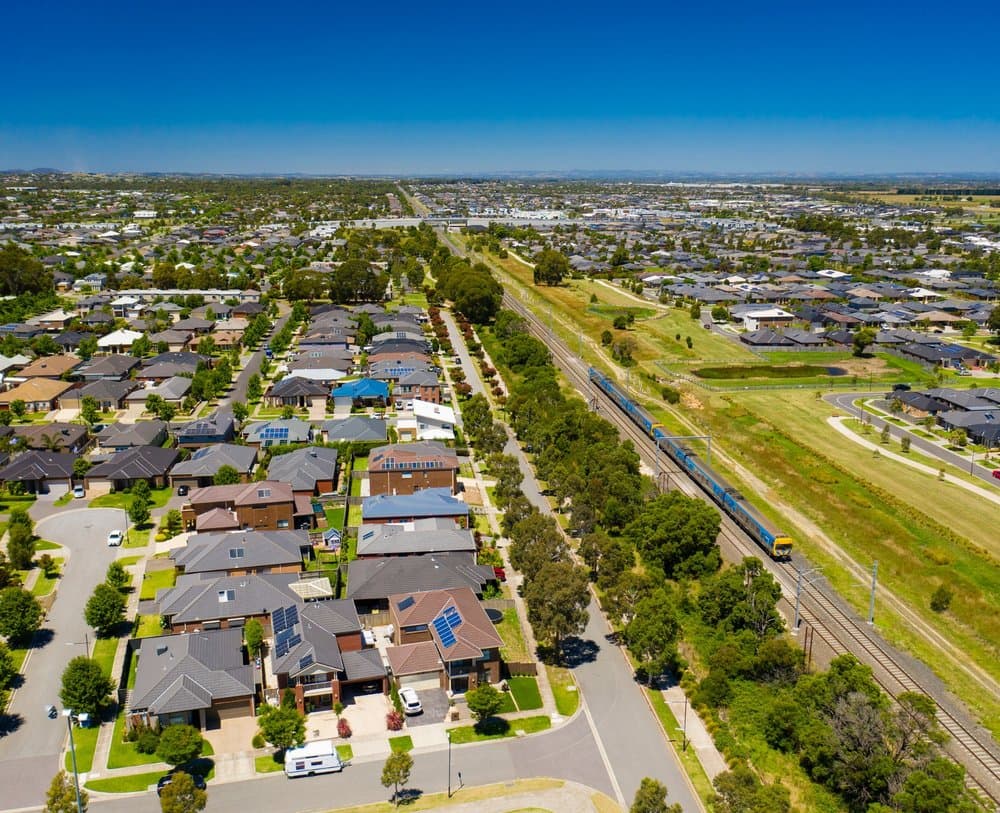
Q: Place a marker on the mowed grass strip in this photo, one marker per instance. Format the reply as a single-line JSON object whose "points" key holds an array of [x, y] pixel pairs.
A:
{"points": [[525, 691]]}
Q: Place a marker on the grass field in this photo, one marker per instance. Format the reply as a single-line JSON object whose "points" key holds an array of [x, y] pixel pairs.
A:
{"points": [[403, 743], [515, 648], [267, 764], [46, 584], [104, 653], [85, 740], [564, 690], [525, 692], [122, 499], [500, 729], [687, 757], [335, 517], [43, 545], [132, 783], [472, 796], [148, 626], [156, 580]]}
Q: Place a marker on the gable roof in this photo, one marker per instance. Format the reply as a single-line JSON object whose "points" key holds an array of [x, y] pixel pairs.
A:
{"points": [[36, 390], [38, 465], [204, 597], [136, 462], [207, 460], [304, 467], [428, 502], [266, 491], [313, 637], [424, 454], [141, 433], [362, 388], [50, 366], [468, 638], [378, 578], [214, 552], [292, 430], [423, 536], [297, 386], [356, 427]]}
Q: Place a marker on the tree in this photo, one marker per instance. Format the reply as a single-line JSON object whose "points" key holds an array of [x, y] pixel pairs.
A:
{"points": [[181, 795], [606, 337], [85, 687], [651, 635], [941, 598], [676, 535], [993, 322], [937, 787], [87, 348], [355, 280], [253, 637], [396, 773], [620, 322], [20, 614], [61, 795], [622, 597], [696, 310], [240, 411], [117, 576], [739, 791], [179, 744], [484, 701], [226, 476], [254, 388], [862, 338], [535, 542], [651, 797], [138, 511], [20, 547], [105, 609], [19, 408], [21, 273], [282, 726], [90, 410], [550, 267], [80, 467], [7, 666], [557, 602]]}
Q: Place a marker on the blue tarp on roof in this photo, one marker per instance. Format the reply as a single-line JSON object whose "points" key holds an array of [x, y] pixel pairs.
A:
{"points": [[362, 388], [428, 502]]}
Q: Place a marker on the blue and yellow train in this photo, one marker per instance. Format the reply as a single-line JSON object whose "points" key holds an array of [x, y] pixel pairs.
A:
{"points": [[777, 544]]}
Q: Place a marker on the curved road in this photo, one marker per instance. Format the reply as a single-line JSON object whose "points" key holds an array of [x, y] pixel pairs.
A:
{"points": [[31, 743]]}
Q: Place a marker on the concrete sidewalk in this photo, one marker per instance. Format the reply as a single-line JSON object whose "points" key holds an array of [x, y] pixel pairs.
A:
{"points": [[697, 735]]}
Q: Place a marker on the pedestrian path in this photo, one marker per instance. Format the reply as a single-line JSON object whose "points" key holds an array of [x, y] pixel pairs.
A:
{"points": [[694, 732]]}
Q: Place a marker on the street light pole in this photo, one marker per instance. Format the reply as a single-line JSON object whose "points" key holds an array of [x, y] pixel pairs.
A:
{"points": [[125, 512], [68, 714], [449, 763]]}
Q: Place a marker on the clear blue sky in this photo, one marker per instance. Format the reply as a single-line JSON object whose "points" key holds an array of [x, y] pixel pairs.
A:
{"points": [[341, 87]]}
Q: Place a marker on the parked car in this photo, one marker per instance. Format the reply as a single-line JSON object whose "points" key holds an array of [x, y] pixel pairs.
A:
{"points": [[411, 703], [199, 781], [996, 473], [500, 574], [115, 539], [182, 491], [79, 493]]}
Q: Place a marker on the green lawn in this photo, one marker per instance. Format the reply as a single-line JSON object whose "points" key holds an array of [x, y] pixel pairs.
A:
{"points": [[123, 754], [125, 561], [353, 516], [335, 517], [86, 743], [507, 704], [148, 626], [157, 580], [564, 690], [65, 499], [403, 743], [345, 752], [514, 646], [499, 728], [268, 764], [46, 584], [136, 538], [42, 545], [133, 783], [356, 486], [525, 692], [361, 463], [104, 653], [122, 499], [688, 758]]}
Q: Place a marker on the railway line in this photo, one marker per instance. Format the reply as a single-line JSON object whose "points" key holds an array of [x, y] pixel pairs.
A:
{"points": [[839, 630]]}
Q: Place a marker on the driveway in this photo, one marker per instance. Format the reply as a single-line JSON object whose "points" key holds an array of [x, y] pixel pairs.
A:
{"points": [[233, 735], [31, 743], [435, 703]]}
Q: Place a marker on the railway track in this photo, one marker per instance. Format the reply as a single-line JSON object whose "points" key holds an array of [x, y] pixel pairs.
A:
{"points": [[837, 629]]}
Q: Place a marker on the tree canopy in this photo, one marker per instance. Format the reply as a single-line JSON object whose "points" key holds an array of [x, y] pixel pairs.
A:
{"points": [[85, 687], [675, 534]]}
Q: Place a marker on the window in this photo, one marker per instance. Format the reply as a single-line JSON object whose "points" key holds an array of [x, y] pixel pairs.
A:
{"points": [[226, 596], [236, 553], [263, 492], [282, 523]]}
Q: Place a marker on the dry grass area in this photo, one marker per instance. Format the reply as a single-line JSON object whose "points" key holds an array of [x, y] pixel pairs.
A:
{"points": [[432, 801]]}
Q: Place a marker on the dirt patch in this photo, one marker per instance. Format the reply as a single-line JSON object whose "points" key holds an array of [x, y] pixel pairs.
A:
{"points": [[472, 495], [863, 366], [689, 401]]}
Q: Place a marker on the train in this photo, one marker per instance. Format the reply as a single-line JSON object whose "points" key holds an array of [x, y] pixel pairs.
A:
{"points": [[777, 544]]}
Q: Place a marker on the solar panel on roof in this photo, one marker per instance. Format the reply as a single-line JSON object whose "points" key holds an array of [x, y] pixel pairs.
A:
{"points": [[291, 615], [281, 650], [448, 639], [283, 636], [405, 604], [305, 660], [294, 641], [453, 617], [278, 620]]}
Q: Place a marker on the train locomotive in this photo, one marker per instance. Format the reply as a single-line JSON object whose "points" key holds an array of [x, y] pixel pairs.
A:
{"points": [[729, 499]]}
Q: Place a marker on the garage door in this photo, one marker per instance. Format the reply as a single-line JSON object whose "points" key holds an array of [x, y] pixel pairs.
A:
{"points": [[228, 710], [424, 680]]}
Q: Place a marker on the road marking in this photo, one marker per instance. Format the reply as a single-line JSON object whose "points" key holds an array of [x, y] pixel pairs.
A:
{"points": [[602, 752]]}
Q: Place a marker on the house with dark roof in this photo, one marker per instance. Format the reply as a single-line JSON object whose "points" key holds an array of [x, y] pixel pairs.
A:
{"points": [[318, 652], [198, 679], [172, 391], [420, 384], [414, 538], [311, 470], [356, 428], [199, 470], [127, 467], [55, 437], [406, 468], [201, 601], [109, 394], [242, 553], [456, 625], [278, 432], [219, 427], [115, 368], [425, 504], [119, 436], [370, 582], [297, 392], [40, 472]]}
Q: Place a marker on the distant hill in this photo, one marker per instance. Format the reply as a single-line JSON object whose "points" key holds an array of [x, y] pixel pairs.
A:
{"points": [[38, 171]]}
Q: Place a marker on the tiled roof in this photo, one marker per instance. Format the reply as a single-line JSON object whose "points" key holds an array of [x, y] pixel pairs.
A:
{"points": [[211, 553], [414, 659], [378, 578], [135, 462]]}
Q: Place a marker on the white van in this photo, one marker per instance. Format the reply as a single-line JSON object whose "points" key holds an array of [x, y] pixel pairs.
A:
{"points": [[312, 758]]}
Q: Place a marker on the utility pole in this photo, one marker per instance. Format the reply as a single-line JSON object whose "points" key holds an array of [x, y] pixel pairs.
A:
{"points": [[449, 763], [798, 595], [871, 601]]}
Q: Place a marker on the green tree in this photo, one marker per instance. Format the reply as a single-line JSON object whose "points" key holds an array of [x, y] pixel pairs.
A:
{"points": [[993, 322], [20, 547], [651, 635], [179, 744], [254, 388], [117, 576], [739, 791], [105, 609], [90, 410], [7, 667], [606, 337], [696, 310], [550, 267], [22, 273], [61, 795], [651, 797], [85, 687], [87, 348], [80, 467], [941, 598], [282, 726], [937, 787], [240, 411], [138, 512], [862, 338], [396, 773], [226, 476], [253, 637], [535, 542], [19, 408], [181, 795], [557, 603], [676, 534], [20, 614], [142, 491], [484, 701]]}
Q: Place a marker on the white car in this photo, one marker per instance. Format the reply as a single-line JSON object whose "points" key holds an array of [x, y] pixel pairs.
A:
{"points": [[79, 493], [115, 539], [411, 703]]}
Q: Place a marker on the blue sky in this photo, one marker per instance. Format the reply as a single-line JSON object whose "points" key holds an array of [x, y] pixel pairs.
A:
{"points": [[473, 87]]}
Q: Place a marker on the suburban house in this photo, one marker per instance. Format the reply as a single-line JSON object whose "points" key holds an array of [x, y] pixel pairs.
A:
{"points": [[109, 394], [115, 368], [38, 394], [51, 367], [198, 679], [201, 601], [127, 467], [55, 437], [279, 432], [219, 427], [296, 392], [311, 470], [429, 422], [404, 469], [240, 553], [172, 391], [455, 625], [267, 505], [119, 341], [318, 652], [363, 392], [354, 428], [414, 538], [370, 582], [426, 504], [119, 436], [422, 384], [39, 472], [199, 470]]}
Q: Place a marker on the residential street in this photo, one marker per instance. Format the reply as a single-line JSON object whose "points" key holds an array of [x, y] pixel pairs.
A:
{"points": [[239, 390], [32, 743]]}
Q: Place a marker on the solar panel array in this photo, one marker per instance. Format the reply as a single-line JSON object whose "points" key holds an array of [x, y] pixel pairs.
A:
{"points": [[305, 660], [278, 620], [291, 616], [406, 603], [274, 433], [445, 623]]}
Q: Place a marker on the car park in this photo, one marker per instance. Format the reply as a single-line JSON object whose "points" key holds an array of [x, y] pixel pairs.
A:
{"points": [[115, 538], [410, 700]]}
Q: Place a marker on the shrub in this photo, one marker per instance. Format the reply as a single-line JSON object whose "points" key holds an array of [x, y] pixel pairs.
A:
{"points": [[394, 721], [397, 702], [671, 395], [258, 740], [147, 740], [343, 728], [941, 599]]}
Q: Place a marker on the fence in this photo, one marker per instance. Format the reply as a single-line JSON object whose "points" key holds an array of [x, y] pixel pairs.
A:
{"points": [[498, 604], [521, 668]]}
